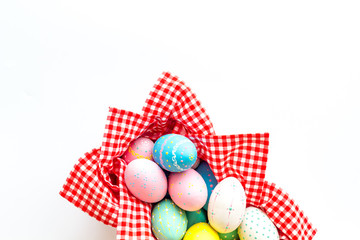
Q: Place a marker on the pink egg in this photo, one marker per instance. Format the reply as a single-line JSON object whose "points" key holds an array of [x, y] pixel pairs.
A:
{"points": [[139, 148], [146, 180], [188, 189], [196, 164]]}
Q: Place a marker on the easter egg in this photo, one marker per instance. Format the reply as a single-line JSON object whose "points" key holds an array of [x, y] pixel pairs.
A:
{"points": [[145, 180], [168, 221], [174, 153], [227, 205], [196, 164], [229, 236], [207, 174], [188, 190], [196, 217], [139, 148], [256, 226], [201, 231]]}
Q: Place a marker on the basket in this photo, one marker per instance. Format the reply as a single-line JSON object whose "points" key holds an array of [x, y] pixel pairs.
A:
{"points": [[96, 183]]}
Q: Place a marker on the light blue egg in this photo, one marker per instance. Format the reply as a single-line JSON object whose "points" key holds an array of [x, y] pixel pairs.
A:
{"points": [[168, 221], [207, 174], [174, 153]]}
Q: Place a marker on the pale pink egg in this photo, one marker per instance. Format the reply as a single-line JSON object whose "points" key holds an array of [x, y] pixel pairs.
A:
{"points": [[146, 180], [188, 189], [139, 148]]}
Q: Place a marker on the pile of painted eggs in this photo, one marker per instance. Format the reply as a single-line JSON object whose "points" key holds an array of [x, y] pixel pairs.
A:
{"points": [[188, 201]]}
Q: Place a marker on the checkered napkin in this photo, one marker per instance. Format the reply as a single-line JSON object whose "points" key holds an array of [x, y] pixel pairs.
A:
{"points": [[96, 184]]}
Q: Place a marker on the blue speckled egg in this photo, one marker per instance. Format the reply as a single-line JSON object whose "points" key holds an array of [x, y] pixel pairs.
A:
{"points": [[207, 174], [174, 153], [168, 221]]}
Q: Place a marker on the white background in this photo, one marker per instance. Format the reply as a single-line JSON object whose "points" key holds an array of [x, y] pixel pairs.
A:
{"points": [[290, 69]]}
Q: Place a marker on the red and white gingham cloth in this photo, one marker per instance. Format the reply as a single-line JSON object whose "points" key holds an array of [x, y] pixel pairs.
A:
{"points": [[96, 184]]}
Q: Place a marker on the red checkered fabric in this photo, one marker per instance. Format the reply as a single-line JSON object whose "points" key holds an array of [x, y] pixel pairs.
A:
{"points": [[173, 108], [171, 98], [241, 156], [87, 191], [285, 214]]}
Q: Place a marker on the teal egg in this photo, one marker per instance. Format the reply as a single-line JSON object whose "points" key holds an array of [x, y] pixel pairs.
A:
{"points": [[207, 174], [196, 217], [229, 236], [168, 221], [174, 153]]}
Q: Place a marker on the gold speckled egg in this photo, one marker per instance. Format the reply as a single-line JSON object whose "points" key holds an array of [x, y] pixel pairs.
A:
{"points": [[168, 221]]}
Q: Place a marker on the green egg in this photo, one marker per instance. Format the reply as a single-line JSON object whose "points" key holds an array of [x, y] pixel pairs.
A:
{"points": [[168, 221], [229, 236], [196, 217]]}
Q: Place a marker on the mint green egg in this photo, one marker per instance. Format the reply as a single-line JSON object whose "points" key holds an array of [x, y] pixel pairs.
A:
{"points": [[229, 236], [196, 217], [168, 221]]}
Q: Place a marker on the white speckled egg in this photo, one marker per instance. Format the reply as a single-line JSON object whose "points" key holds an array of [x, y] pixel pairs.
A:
{"points": [[168, 221], [227, 205], [257, 226], [145, 180], [188, 190]]}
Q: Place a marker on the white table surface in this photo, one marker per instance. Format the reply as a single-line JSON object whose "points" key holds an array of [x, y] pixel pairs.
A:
{"points": [[290, 69]]}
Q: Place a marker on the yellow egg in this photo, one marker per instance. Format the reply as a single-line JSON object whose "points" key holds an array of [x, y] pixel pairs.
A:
{"points": [[201, 231]]}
